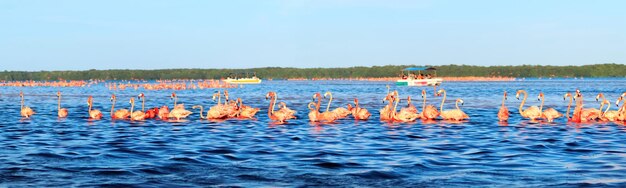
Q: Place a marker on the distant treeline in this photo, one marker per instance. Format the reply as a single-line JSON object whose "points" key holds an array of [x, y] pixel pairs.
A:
{"points": [[598, 70]]}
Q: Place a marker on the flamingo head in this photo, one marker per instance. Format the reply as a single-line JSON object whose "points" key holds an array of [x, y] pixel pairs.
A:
{"points": [[270, 95], [598, 96], [408, 98], [58, 93], [226, 95], [356, 101], [350, 107], [21, 94], [540, 96], [132, 100], [460, 100], [423, 93], [112, 97], [327, 93], [505, 95], [173, 95], [141, 95], [517, 94], [568, 94], [90, 100], [440, 91], [618, 100]]}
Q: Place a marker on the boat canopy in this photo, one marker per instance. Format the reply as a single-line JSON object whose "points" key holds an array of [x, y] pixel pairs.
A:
{"points": [[420, 69]]}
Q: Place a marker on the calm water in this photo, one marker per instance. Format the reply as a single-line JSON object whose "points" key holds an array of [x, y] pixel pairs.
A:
{"points": [[46, 151]]}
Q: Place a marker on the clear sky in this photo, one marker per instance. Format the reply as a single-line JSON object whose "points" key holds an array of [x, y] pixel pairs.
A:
{"points": [[153, 34]]}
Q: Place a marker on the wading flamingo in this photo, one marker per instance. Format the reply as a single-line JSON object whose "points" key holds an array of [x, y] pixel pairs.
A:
{"points": [[569, 105], [93, 114], [621, 113], [406, 114], [179, 111], [61, 112], [150, 113], [219, 110], [549, 114], [385, 113], [456, 114], [429, 112], [532, 112], [25, 111], [326, 117], [230, 107], [246, 111], [340, 111], [608, 115], [586, 114], [282, 107], [279, 116], [119, 114], [135, 115], [313, 113], [164, 112], [357, 112], [503, 113]]}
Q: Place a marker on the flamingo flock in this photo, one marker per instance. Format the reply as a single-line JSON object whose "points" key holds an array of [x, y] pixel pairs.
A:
{"points": [[224, 109]]}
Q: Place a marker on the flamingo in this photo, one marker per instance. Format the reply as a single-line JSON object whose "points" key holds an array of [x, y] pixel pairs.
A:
{"points": [[503, 113], [407, 114], [93, 114], [219, 110], [150, 113], [608, 115], [340, 111], [164, 113], [385, 112], [25, 111], [357, 112], [282, 107], [549, 114], [179, 111], [119, 114], [313, 113], [135, 115], [61, 112], [246, 111], [568, 94], [621, 113], [326, 116], [532, 112], [280, 116], [586, 114], [430, 111], [230, 106], [456, 114]]}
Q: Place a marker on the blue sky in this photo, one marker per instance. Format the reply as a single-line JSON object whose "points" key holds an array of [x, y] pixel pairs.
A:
{"points": [[152, 34]]}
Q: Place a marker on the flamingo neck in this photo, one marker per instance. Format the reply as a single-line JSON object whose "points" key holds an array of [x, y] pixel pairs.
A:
{"points": [[329, 101], [132, 107], [602, 102], [503, 97], [89, 111], [607, 108], [521, 105], [395, 107], [143, 101], [240, 106], [309, 106], [424, 104], [568, 107], [59, 104], [201, 109], [113, 107], [22, 102], [442, 100], [541, 106], [270, 110], [457, 105], [319, 103], [175, 99]]}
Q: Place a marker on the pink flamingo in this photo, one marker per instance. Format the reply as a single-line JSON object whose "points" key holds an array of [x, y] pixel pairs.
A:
{"points": [[326, 116], [456, 114], [357, 112], [25, 111], [503, 113], [119, 114], [586, 114], [93, 114], [61, 112], [340, 111], [532, 112], [136, 115], [280, 116], [246, 111], [428, 112], [549, 114]]}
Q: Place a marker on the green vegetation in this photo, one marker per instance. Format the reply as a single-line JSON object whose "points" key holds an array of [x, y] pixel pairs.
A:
{"points": [[599, 70]]}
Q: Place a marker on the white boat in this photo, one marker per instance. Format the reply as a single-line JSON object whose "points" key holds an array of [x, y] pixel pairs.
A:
{"points": [[418, 79], [235, 79]]}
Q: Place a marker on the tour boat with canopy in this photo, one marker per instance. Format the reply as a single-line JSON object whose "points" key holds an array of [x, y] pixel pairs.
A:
{"points": [[419, 76]]}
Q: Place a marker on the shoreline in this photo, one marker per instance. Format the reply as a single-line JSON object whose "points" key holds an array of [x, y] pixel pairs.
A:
{"points": [[393, 79]]}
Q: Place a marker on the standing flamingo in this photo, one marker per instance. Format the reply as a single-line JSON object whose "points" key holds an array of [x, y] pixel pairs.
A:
{"points": [[93, 114], [25, 111], [119, 114], [179, 111], [428, 112], [407, 114], [385, 113], [280, 116], [340, 111], [61, 112], [150, 113], [532, 112], [503, 113], [219, 110], [357, 112], [135, 115], [282, 107], [164, 112], [608, 115], [456, 114], [549, 114]]}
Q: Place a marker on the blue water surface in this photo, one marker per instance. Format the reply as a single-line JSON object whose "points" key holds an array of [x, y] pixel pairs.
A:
{"points": [[46, 151]]}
